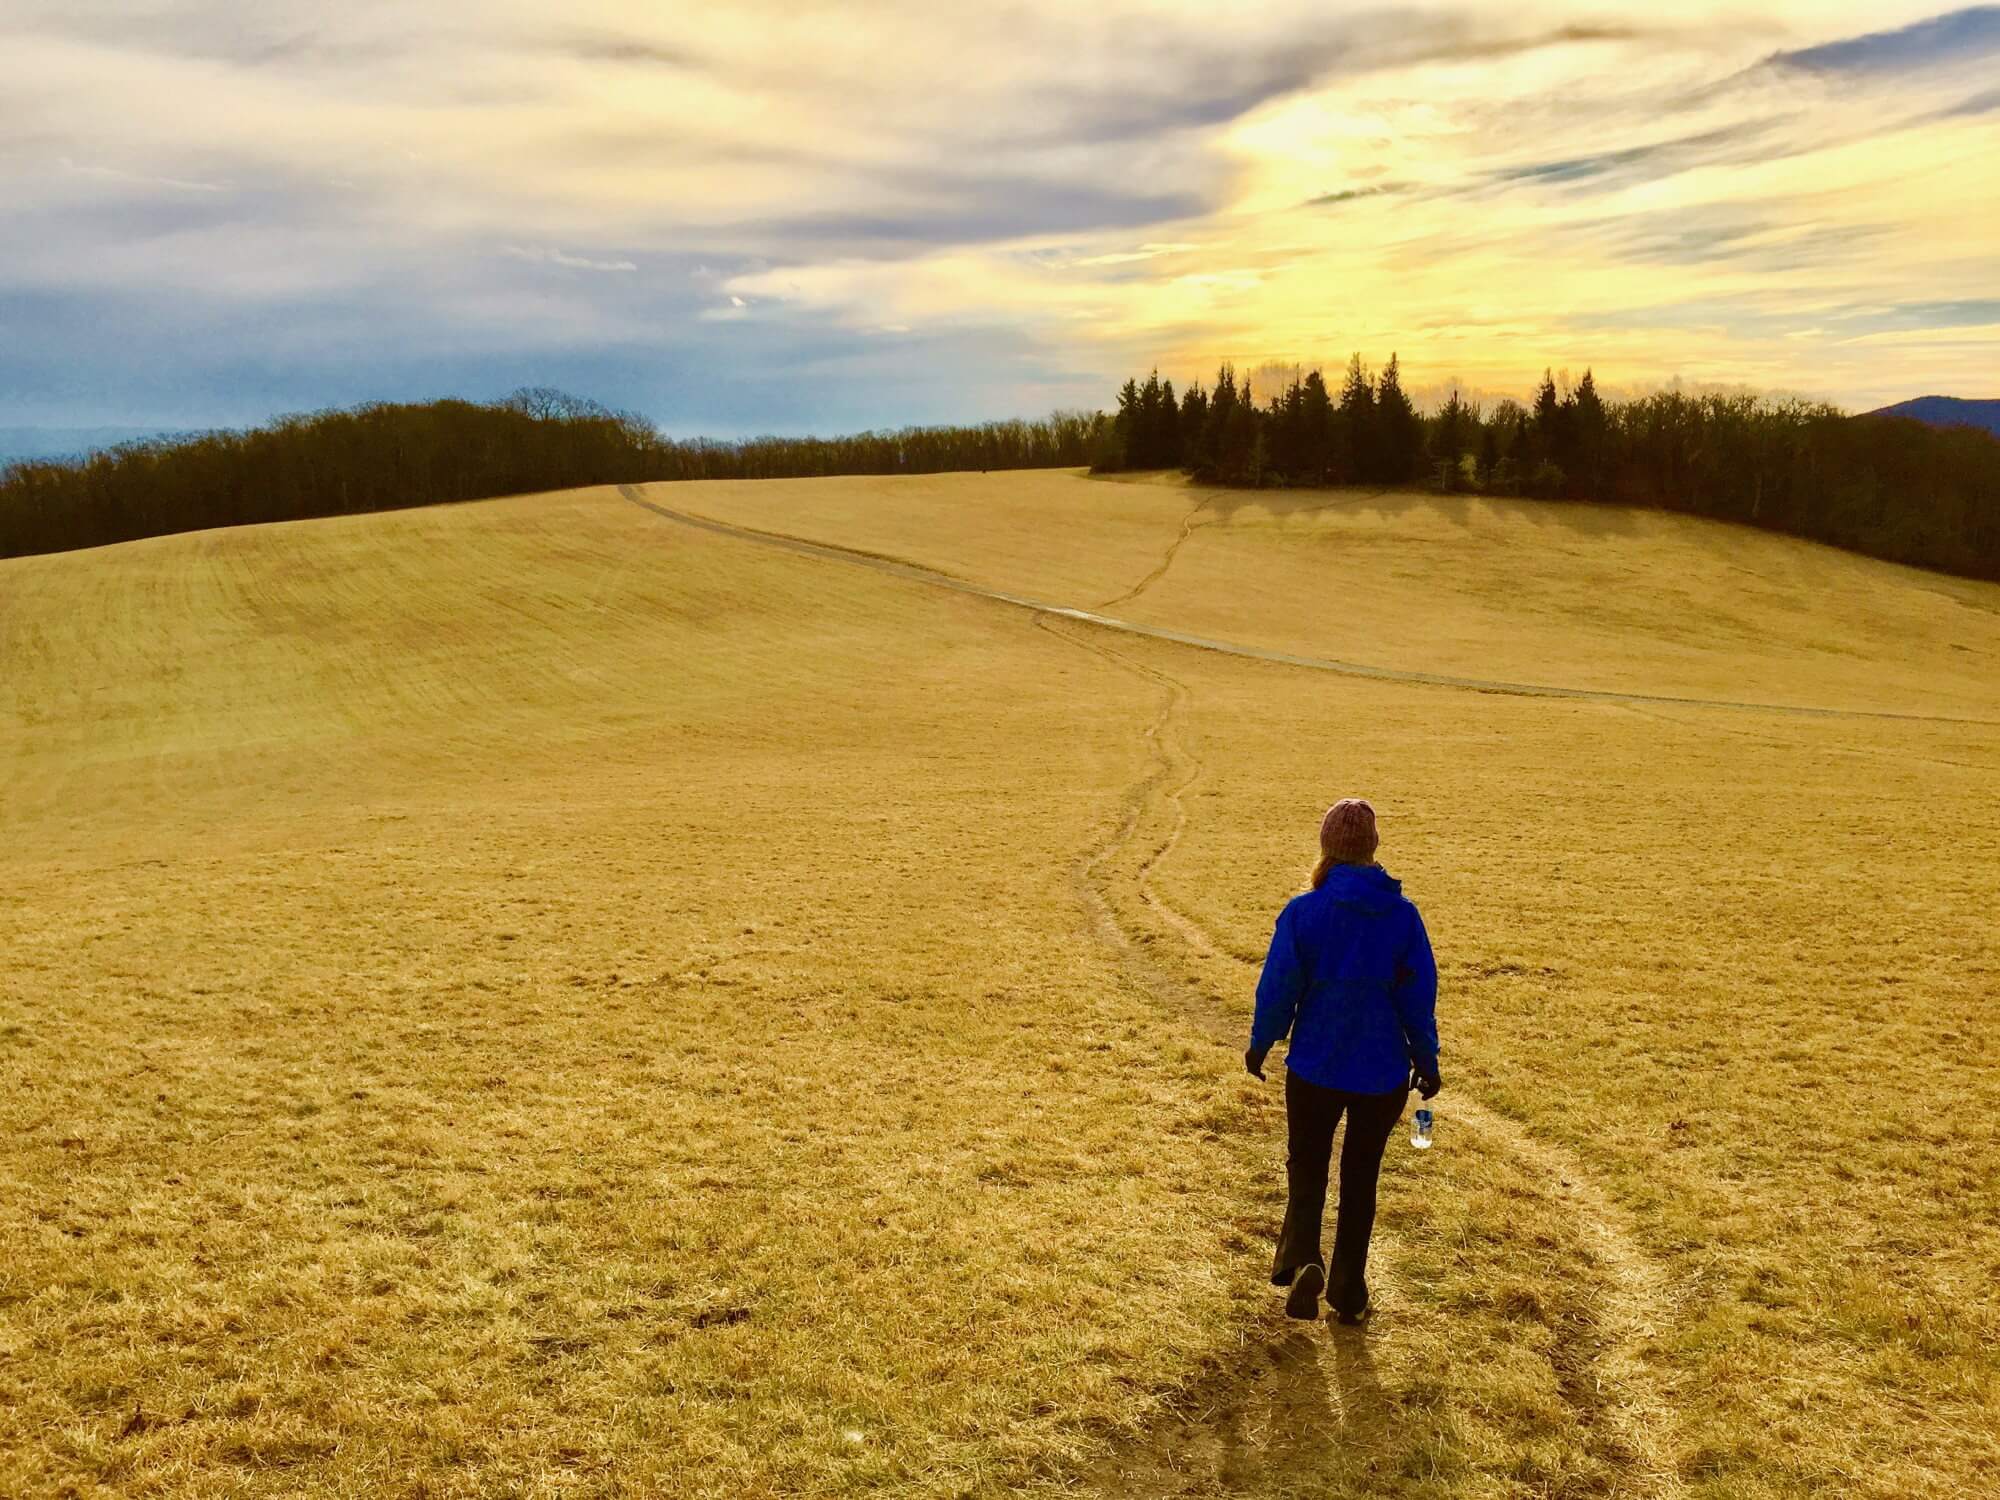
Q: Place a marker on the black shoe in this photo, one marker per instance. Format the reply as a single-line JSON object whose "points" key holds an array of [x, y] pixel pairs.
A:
{"points": [[1304, 1300], [1349, 1304], [1356, 1318]]}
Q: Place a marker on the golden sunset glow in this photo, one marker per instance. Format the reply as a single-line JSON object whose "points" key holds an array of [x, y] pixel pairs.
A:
{"points": [[752, 216]]}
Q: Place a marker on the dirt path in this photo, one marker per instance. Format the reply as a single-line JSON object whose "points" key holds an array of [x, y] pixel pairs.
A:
{"points": [[917, 573], [1297, 1402], [1188, 529], [1272, 1418]]}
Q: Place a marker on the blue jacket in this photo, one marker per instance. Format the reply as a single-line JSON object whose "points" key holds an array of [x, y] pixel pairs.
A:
{"points": [[1351, 979]]}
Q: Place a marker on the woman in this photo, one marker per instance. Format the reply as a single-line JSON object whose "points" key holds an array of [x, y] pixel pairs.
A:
{"points": [[1351, 979]]}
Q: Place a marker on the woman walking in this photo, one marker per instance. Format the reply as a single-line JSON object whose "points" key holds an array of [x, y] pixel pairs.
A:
{"points": [[1351, 980]]}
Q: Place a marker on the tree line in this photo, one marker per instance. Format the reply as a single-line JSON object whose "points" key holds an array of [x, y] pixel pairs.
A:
{"points": [[387, 456], [1888, 486]]}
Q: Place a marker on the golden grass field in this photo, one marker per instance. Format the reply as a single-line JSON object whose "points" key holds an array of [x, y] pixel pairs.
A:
{"points": [[538, 998]]}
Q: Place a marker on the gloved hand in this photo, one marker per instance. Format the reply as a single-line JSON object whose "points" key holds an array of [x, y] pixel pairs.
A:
{"points": [[1253, 1060], [1426, 1085]]}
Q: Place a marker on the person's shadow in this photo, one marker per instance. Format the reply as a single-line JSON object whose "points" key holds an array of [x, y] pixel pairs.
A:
{"points": [[1317, 1412], [1305, 1412]]}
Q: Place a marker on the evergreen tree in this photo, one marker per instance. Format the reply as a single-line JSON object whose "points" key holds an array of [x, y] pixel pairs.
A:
{"points": [[1193, 423], [1147, 454], [1127, 442], [1890, 487], [1520, 458], [1316, 430], [1169, 427], [1215, 431], [1288, 435], [1590, 426], [1546, 407], [1357, 425], [1400, 434], [1449, 431], [1543, 474]]}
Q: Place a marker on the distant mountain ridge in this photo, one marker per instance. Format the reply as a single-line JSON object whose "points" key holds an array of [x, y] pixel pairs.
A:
{"points": [[1946, 411]]}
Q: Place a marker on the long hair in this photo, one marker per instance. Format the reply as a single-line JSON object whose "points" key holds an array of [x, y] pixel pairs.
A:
{"points": [[1346, 823]]}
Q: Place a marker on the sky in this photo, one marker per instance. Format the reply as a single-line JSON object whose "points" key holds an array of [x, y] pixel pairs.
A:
{"points": [[789, 217]]}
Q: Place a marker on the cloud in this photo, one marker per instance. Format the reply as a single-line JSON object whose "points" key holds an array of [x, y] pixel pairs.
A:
{"points": [[1128, 257], [464, 190], [139, 179], [1727, 143], [1349, 195], [1966, 312], [1976, 104], [977, 211], [1776, 237], [1174, 80], [1952, 38], [613, 48], [539, 256]]}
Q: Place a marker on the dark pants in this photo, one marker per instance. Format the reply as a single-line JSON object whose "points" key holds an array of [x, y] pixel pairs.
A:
{"points": [[1311, 1113]]}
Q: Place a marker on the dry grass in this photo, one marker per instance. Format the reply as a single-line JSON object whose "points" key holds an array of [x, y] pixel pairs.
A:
{"points": [[1536, 591], [529, 998]]}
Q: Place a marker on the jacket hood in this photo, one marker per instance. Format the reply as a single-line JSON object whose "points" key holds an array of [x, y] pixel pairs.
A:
{"points": [[1368, 886]]}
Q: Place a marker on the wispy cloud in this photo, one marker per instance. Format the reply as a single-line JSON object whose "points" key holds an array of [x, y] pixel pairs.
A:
{"points": [[139, 179], [1956, 37], [484, 193], [1976, 104], [1349, 195], [1653, 159], [543, 256]]}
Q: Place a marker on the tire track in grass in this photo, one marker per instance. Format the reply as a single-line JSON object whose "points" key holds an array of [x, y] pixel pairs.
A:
{"points": [[1604, 1377]]}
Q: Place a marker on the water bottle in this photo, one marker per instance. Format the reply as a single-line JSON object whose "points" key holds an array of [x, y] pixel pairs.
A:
{"points": [[1420, 1128]]}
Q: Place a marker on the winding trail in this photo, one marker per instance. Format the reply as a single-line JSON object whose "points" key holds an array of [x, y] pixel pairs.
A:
{"points": [[917, 573], [1188, 529], [1618, 1400], [1286, 1394]]}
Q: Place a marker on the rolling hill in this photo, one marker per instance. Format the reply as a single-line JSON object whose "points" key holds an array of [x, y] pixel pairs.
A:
{"points": [[543, 997]]}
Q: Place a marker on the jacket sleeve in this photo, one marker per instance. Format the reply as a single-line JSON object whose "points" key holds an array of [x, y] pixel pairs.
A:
{"points": [[1415, 993], [1279, 987]]}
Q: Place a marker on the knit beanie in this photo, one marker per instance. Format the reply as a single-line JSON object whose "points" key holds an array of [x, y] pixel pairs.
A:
{"points": [[1347, 833]]}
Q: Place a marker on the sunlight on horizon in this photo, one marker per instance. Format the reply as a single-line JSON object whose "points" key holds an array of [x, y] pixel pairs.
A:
{"points": [[747, 218]]}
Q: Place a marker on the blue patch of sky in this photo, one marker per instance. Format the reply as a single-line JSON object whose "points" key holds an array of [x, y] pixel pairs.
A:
{"points": [[121, 359], [1952, 37]]}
